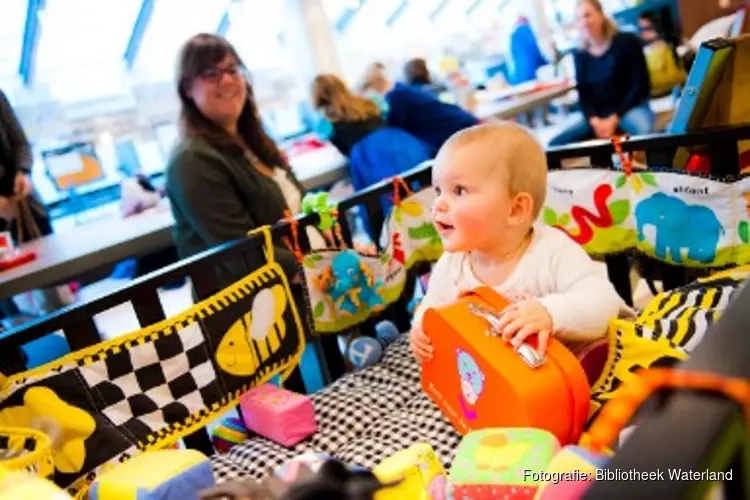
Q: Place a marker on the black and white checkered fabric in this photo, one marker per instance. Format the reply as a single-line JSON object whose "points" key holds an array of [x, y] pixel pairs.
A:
{"points": [[152, 385], [362, 418]]}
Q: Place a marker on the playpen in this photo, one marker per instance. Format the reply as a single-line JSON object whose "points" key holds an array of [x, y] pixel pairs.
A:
{"points": [[683, 430]]}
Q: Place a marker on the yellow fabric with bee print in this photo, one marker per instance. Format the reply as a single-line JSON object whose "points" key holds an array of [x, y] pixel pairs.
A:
{"points": [[665, 332], [145, 390]]}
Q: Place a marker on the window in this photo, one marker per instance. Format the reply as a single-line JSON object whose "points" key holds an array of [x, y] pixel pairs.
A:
{"points": [[12, 23], [172, 23], [257, 31], [429, 29], [79, 56]]}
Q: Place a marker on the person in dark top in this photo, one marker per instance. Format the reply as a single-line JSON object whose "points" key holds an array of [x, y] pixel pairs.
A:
{"points": [[612, 80], [16, 161], [526, 56], [225, 176], [358, 128], [417, 74], [418, 112], [15, 177]]}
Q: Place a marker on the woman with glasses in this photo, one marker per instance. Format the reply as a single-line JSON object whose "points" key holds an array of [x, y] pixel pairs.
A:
{"points": [[225, 176]]}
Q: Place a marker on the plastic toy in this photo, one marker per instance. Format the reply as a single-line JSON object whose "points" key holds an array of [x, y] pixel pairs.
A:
{"points": [[418, 472], [155, 475], [368, 351], [309, 471], [300, 465], [229, 432], [473, 369], [278, 414], [349, 283], [15, 485], [492, 463], [573, 470], [318, 203]]}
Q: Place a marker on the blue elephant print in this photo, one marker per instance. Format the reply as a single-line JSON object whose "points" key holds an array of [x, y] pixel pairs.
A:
{"points": [[679, 226]]}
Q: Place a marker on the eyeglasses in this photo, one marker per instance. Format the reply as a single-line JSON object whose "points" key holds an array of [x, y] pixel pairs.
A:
{"points": [[214, 75]]}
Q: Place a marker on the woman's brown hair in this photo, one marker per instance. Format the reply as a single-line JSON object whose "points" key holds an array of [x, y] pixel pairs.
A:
{"points": [[416, 72], [334, 99], [199, 54], [609, 29]]}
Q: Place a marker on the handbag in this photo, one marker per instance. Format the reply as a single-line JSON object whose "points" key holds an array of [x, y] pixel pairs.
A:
{"points": [[43, 300], [479, 381]]}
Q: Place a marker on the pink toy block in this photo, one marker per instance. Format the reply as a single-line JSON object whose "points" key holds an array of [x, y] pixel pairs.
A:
{"points": [[279, 415]]}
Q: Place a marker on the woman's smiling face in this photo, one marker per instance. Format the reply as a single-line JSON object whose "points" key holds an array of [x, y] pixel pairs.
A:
{"points": [[220, 92]]}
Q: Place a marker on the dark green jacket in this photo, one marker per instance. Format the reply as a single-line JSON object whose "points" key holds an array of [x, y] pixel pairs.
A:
{"points": [[218, 197]]}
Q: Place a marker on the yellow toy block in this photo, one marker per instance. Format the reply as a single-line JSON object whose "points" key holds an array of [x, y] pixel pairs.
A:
{"points": [[419, 470], [156, 475]]}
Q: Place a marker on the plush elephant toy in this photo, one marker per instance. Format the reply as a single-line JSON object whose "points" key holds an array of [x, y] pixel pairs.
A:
{"points": [[679, 226]]}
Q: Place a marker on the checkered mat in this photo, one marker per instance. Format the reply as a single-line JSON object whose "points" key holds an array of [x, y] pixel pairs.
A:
{"points": [[363, 418]]}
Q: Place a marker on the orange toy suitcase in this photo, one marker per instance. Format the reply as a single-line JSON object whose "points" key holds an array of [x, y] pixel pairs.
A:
{"points": [[479, 381]]}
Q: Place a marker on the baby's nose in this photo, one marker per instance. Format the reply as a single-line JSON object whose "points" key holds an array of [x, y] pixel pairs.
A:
{"points": [[440, 205]]}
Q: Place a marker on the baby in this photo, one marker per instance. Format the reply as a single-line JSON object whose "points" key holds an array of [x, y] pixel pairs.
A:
{"points": [[491, 181]]}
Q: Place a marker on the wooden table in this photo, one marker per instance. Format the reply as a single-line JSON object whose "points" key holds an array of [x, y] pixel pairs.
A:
{"points": [[109, 240], [520, 101]]}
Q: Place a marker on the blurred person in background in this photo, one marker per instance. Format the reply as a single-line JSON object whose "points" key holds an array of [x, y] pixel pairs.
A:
{"points": [[225, 176], [16, 161], [664, 66], [525, 54], [418, 112], [358, 128], [417, 74], [526, 58], [24, 215], [612, 80]]}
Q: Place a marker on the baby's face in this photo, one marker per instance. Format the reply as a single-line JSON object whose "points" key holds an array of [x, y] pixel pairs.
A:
{"points": [[472, 207]]}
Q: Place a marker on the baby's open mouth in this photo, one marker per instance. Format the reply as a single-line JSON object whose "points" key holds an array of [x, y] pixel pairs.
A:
{"points": [[443, 227]]}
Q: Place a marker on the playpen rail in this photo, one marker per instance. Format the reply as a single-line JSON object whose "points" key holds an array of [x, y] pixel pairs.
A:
{"points": [[692, 431], [719, 144], [77, 322]]}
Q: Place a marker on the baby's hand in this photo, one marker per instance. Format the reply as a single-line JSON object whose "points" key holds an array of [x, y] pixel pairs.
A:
{"points": [[420, 344], [525, 318]]}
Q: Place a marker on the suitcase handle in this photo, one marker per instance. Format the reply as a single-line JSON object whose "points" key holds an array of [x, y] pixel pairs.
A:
{"points": [[532, 357]]}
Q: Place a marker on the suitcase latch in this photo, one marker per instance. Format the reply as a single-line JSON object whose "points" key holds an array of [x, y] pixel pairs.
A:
{"points": [[533, 358]]}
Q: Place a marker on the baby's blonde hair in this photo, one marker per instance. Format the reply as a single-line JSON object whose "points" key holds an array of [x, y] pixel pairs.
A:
{"points": [[512, 151]]}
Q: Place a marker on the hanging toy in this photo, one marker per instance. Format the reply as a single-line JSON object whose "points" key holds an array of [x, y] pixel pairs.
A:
{"points": [[350, 284], [318, 203]]}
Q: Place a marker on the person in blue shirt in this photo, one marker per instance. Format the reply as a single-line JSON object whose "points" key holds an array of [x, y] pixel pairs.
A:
{"points": [[526, 56], [417, 112], [358, 128], [612, 80], [417, 73]]}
